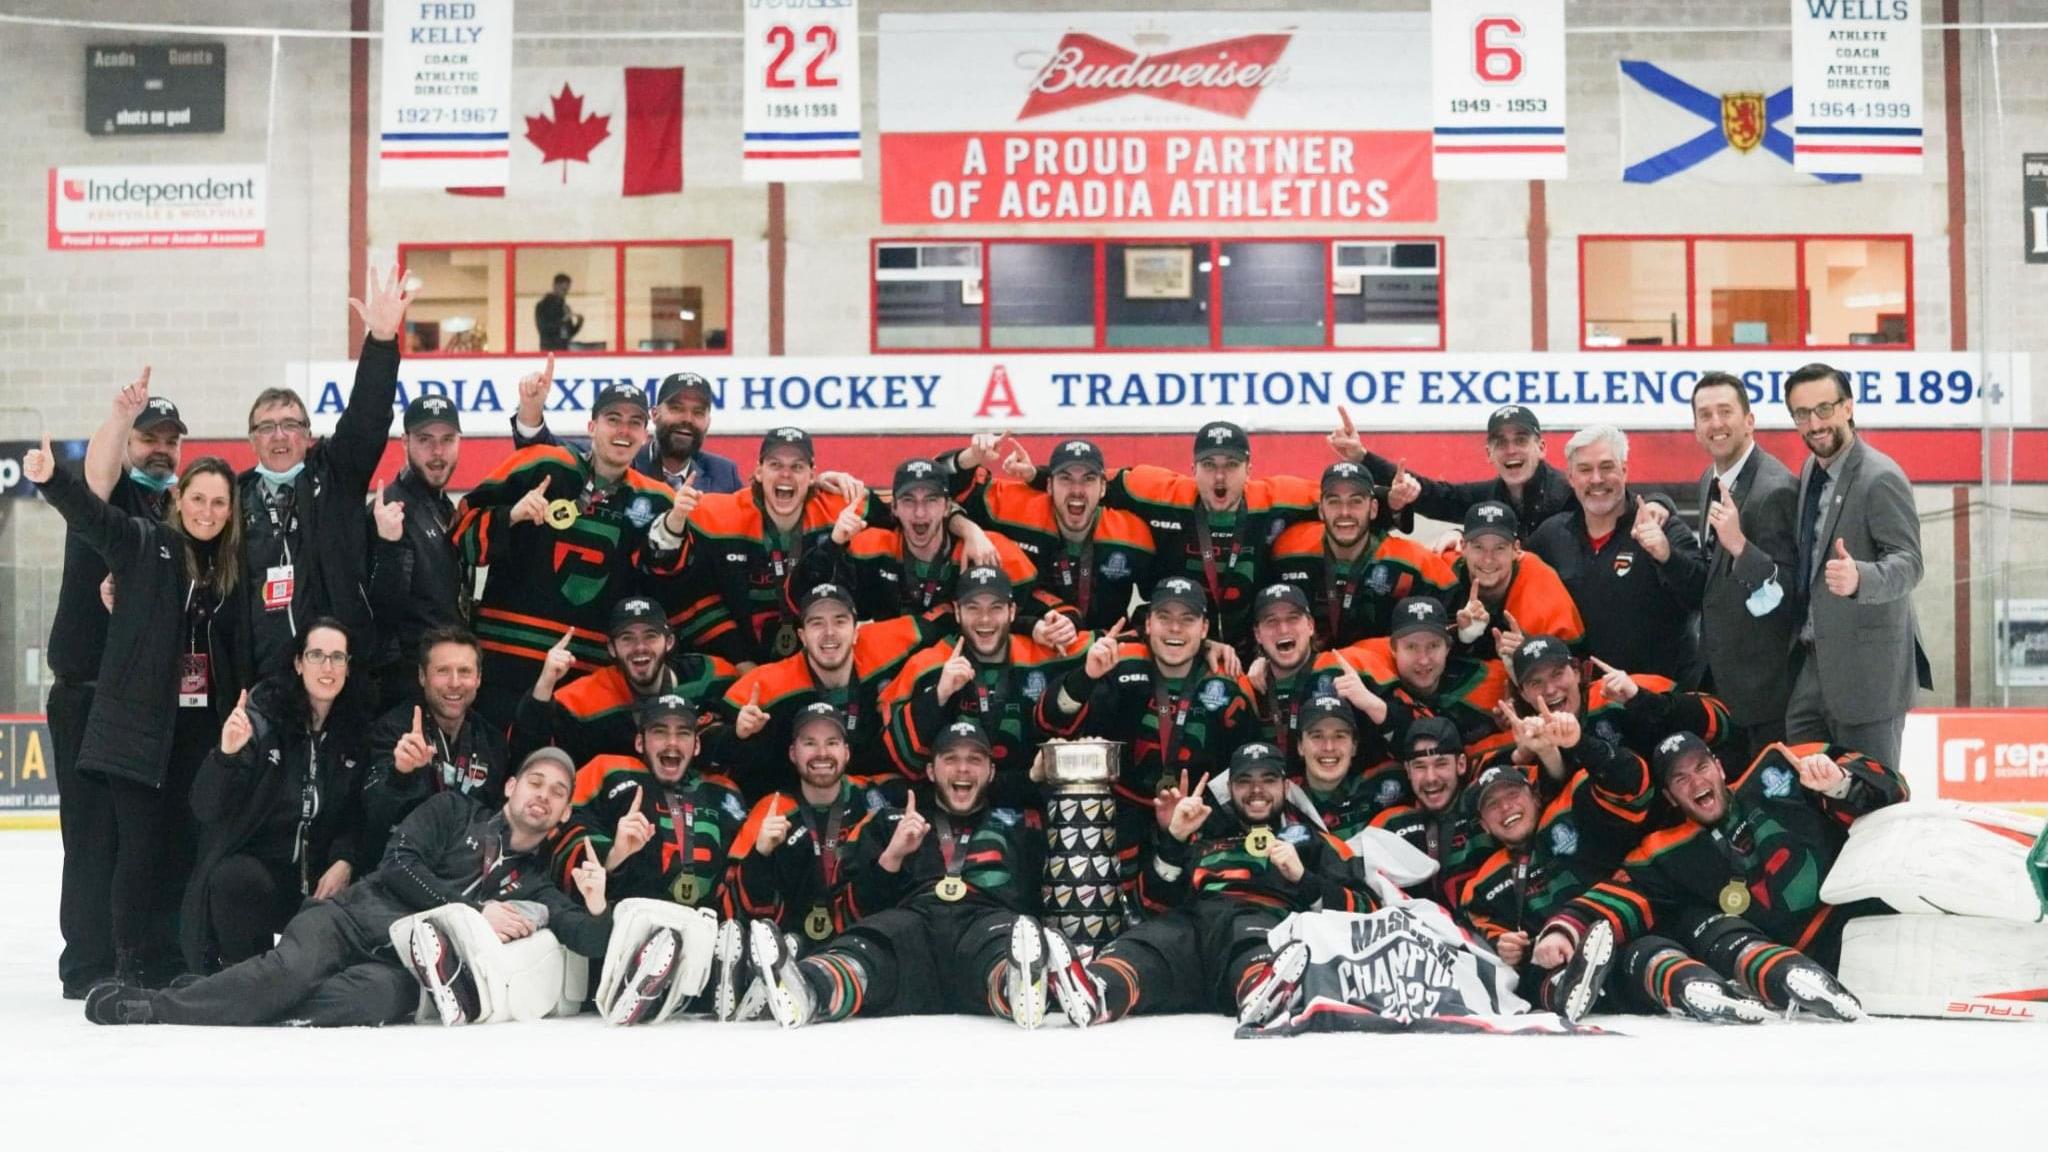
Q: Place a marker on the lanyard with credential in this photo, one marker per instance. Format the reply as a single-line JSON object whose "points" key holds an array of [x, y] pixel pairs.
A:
{"points": [[952, 845], [685, 824], [827, 841], [1077, 573], [1172, 712], [1334, 604], [1202, 541]]}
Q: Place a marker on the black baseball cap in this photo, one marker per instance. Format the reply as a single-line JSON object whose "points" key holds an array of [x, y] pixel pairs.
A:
{"points": [[1673, 751], [1420, 614], [1495, 777], [1257, 757], [962, 732], [1222, 438], [789, 437], [815, 711], [1076, 454], [1327, 708], [160, 410], [426, 410], [1492, 518], [1539, 652], [1440, 732], [676, 383], [1512, 416], [917, 473], [1345, 472], [665, 707], [1180, 590], [1274, 595], [619, 395], [982, 580], [637, 610], [827, 593]]}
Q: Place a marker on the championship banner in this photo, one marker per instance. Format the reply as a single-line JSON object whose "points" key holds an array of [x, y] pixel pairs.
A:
{"points": [[1856, 68], [800, 73], [169, 206], [445, 115], [1166, 392], [1497, 85], [1223, 116], [28, 781]]}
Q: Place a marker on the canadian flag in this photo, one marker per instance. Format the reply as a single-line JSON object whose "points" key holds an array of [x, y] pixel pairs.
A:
{"points": [[597, 131]]}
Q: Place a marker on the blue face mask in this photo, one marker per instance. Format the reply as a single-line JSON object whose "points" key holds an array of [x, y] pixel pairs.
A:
{"points": [[281, 478], [149, 481]]}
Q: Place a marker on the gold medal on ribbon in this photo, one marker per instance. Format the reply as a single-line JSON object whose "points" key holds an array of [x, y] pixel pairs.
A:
{"points": [[951, 889], [686, 889], [818, 924], [1735, 898], [1258, 842], [561, 513]]}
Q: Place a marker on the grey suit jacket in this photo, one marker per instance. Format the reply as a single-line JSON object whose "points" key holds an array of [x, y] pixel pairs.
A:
{"points": [[1743, 650], [1868, 645]]}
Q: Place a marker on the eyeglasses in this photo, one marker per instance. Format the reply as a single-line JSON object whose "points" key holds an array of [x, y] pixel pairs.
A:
{"points": [[1817, 412], [329, 659], [279, 428]]}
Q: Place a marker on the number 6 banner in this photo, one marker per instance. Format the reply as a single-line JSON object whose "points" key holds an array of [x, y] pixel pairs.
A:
{"points": [[1497, 80], [802, 77]]}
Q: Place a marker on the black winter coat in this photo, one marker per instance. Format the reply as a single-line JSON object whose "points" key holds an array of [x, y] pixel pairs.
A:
{"points": [[474, 764]]}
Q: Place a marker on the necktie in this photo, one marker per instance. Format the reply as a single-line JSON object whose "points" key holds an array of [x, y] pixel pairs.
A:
{"points": [[1809, 523], [1706, 522]]}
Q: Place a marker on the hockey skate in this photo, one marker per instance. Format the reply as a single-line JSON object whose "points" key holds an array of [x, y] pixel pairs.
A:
{"points": [[443, 974], [647, 981], [1080, 993], [1716, 1002], [1274, 990], [730, 973], [1024, 981], [1813, 991], [789, 994], [1578, 982], [113, 1002]]}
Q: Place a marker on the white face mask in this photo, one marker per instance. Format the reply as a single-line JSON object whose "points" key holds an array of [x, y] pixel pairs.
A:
{"points": [[281, 478]]}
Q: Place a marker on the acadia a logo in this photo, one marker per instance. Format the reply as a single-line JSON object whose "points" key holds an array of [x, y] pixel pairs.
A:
{"points": [[1223, 76]]}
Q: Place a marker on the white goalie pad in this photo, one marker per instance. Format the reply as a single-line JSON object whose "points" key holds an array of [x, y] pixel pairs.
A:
{"points": [[1940, 857], [1952, 967], [633, 921], [525, 979]]}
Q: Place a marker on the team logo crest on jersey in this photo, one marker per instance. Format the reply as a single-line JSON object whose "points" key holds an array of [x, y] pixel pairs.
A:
{"points": [[877, 801], [1379, 579], [1295, 833], [1623, 562], [1390, 791], [640, 512], [1034, 685], [1116, 567], [1215, 694], [734, 806], [1008, 817], [1564, 839], [1778, 781], [1605, 730]]}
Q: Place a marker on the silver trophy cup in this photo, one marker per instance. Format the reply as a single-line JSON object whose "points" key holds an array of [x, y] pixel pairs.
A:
{"points": [[1083, 898]]}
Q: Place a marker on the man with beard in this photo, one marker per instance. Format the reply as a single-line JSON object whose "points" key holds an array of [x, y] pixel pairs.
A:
{"points": [[1507, 593], [1417, 664], [565, 534], [335, 966], [1090, 557], [594, 716], [940, 923], [1522, 481], [1354, 574], [130, 463], [304, 516], [1857, 659], [793, 857], [441, 744], [1636, 712], [986, 674], [1220, 878], [675, 453], [1176, 713], [417, 581], [1288, 672], [840, 661], [1437, 822], [1738, 882], [1631, 566]]}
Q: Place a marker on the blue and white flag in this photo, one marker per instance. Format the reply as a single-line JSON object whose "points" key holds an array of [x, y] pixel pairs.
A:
{"points": [[1720, 123]]}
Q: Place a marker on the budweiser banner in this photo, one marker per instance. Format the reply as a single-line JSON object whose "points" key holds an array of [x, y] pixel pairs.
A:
{"points": [[1498, 87], [1856, 70], [1214, 116], [800, 76]]}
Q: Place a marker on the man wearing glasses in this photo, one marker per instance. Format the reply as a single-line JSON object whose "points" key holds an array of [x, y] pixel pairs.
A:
{"points": [[1857, 657]]}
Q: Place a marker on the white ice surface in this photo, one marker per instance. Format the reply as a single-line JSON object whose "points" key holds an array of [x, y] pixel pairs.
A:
{"points": [[969, 1084]]}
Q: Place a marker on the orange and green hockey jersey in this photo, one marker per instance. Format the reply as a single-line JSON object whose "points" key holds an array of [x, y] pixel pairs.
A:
{"points": [[998, 851], [1353, 600], [1219, 861], [695, 820], [887, 581], [1467, 692], [1535, 597], [1003, 698], [801, 883], [1096, 575], [597, 715]]}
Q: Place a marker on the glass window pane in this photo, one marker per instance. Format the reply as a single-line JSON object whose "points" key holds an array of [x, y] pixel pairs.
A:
{"points": [[588, 310], [928, 296], [1747, 292], [1634, 292], [1388, 295], [460, 304], [1273, 295], [1041, 295], [1857, 290], [1158, 295], [675, 299]]}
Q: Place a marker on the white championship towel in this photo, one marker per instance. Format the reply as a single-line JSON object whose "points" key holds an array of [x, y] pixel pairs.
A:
{"points": [[525, 979], [1939, 857], [633, 923]]}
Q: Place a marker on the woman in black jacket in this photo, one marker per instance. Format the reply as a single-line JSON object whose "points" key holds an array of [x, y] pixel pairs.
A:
{"points": [[174, 665], [279, 804]]}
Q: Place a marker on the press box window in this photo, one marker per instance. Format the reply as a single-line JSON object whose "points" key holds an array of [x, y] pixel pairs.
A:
{"points": [[1387, 294], [928, 296], [1746, 291]]}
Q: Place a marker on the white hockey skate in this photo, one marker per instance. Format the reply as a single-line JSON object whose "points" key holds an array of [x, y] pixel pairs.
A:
{"points": [[1816, 993], [1024, 982], [1275, 990], [789, 994], [1080, 993], [648, 980], [1578, 983], [1712, 1002]]}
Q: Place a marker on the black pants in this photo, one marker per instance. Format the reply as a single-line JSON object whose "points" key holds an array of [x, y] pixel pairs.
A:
{"points": [[157, 847], [85, 811], [928, 957], [248, 902], [1193, 959], [326, 973]]}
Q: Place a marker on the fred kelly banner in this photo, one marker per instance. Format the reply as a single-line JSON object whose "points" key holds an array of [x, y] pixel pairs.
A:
{"points": [[446, 113], [800, 76], [162, 206], [1208, 116], [1497, 82], [1178, 393], [1856, 72]]}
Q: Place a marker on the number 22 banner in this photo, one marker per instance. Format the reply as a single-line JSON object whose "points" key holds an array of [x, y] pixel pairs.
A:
{"points": [[1497, 82], [801, 71]]}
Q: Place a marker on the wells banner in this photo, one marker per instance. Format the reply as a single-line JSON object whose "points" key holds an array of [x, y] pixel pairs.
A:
{"points": [[1209, 116], [1861, 98]]}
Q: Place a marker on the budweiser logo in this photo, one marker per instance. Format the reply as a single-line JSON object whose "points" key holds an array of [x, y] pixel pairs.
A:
{"points": [[1224, 77]]}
